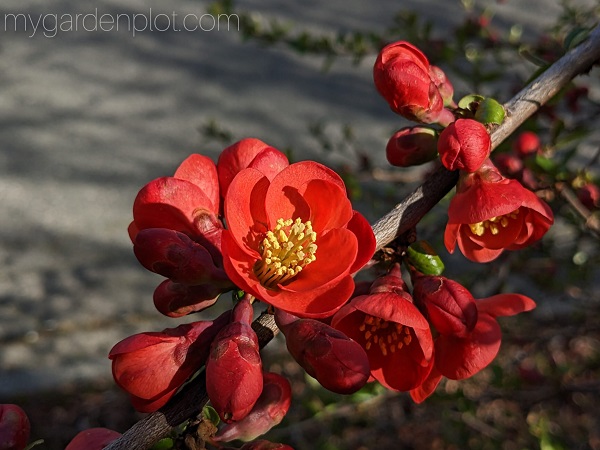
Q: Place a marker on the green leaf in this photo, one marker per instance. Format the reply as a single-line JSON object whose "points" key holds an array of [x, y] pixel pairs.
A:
{"points": [[164, 444], [490, 111], [423, 258], [211, 415]]}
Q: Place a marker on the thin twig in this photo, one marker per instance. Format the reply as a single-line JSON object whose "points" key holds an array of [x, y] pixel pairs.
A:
{"points": [[190, 401]]}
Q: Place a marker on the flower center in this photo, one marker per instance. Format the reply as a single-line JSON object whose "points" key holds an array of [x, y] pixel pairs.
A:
{"points": [[495, 224], [285, 252], [385, 334]]}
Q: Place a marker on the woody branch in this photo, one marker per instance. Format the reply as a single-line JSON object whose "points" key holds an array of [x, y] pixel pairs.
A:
{"points": [[405, 215]]}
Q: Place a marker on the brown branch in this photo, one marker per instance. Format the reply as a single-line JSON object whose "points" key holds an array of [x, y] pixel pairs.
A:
{"points": [[190, 401]]}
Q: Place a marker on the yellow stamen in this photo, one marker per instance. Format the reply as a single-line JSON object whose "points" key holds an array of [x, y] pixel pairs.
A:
{"points": [[388, 336], [493, 224], [285, 251]]}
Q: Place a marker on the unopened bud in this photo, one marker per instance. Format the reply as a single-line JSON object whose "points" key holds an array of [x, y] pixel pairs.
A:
{"points": [[464, 145], [412, 146], [14, 427]]}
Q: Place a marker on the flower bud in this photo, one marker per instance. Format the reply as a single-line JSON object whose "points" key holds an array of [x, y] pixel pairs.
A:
{"points": [[177, 300], [93, 439], [337, 362], [234, 378], [412, 146], [450, 307], [14, 427], [443, 84], [174, 255], [464, 145], [268, 411], [527, 143], [401, 75], [152, 366], [589, 195], [509, 164]]}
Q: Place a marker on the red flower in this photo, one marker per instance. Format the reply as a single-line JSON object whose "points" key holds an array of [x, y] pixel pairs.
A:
{"points": [[152, 366], [93, 439], [464, 145], [337, 362], [268, 411], [412, 146], [461, 356], [526, 143], [402, 77], [394, 333], [490, 214], [234, 377], [176, 232], [294, 241], [14, 427]]}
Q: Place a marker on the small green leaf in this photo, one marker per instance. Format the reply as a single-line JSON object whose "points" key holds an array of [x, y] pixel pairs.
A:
{"points": [[546, 164], [211, 414], [470, 102], [490, 111], [424, 259], [163, 444]]}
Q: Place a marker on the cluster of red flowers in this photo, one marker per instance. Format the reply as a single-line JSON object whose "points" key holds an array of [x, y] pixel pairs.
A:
{"points": [[489, 213], [287, 235]]}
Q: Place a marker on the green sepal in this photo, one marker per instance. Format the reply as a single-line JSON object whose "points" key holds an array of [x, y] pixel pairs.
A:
{"points": [[470, 102], [164, 444], [423, 258], [490, 111], [210, 414]]}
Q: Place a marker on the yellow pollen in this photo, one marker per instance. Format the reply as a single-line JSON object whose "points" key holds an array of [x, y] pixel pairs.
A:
{"points": [[493, 224], [285, 251], [388, 336]]}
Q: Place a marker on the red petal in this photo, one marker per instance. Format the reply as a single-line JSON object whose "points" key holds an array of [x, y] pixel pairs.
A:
{"points": [[366, 240], [329, 205], [284, 198], [270, 162], [428, 386], [236, 158], [472, 250], [147, 406], [459, 358], [93, 439], [244, 208], [505, 305], [391, 307], [168, 202], [201, 171]]}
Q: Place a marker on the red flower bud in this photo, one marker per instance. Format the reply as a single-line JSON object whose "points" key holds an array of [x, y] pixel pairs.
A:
{"points": [[508, 164], [526, 144], [177, 300], [152, 366], [443, 84], [174, 255], [234, 378], [450, 307], [263, 445], [589, 195], [402, 76], [337, 362], [464, 145], [93, 439], [14, 427], [268, 411], [412, 146]]}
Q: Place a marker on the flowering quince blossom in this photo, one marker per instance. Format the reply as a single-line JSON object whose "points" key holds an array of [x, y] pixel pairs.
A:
{"points": [[404, 78], [293, 241], [490, 214], [152, 366], [268, 411], [234, 378], [392, 330], [464, 145], [412, 146], [468, 335], [93, 439], [176, 232], [14, 427], [337, 362]]}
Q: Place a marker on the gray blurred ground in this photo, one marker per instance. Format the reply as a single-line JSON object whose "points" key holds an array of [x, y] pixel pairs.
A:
{"points": [[87, 118]]}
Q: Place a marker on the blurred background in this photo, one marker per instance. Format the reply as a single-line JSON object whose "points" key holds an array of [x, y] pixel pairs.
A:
{"points": [[89, 115]]}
